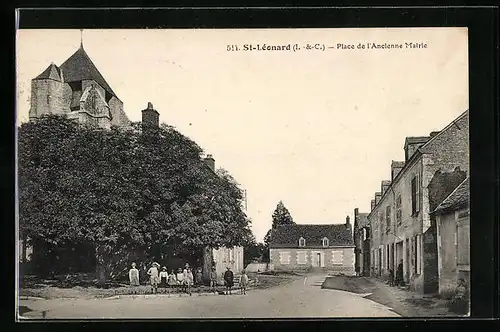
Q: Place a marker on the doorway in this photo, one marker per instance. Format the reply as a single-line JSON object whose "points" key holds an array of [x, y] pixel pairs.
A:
{"points": [[318, 259], [380, 261], [407, 265]]}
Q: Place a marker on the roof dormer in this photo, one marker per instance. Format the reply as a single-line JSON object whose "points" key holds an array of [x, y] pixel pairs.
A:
{"points": [[302, 242], [325, 242]]}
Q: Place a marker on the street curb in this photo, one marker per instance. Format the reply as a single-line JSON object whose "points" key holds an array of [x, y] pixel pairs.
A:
{"points": [[116, 297], [30, 298]]}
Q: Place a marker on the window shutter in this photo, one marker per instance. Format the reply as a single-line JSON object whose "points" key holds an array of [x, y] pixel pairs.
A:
{"points": [[417, 193], [413, 196]]}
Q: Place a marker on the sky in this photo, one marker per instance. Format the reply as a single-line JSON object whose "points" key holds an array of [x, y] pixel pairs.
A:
{"points": [[316, 129]]}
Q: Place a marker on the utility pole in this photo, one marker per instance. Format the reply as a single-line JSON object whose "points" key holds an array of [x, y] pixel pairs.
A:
{"points": [[246, 203]]}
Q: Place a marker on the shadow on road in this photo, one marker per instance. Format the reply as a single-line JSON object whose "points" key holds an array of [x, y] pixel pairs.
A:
{"points": [[358, 285], [403, 302]]}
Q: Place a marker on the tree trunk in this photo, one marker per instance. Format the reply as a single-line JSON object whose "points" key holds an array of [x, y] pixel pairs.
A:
{"points": [[100, 266], [207, 263], [24, 247]]}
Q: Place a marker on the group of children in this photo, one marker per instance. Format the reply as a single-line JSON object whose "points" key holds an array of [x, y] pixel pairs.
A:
{"points": [[184, 278]]}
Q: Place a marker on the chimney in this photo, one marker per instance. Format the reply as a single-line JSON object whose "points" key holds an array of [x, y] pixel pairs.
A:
{"points": [[210, 161], [412, 144], [384, 185], [372, 204], [396, 167], [150, 117], [347, 223], [356, 218], [378, 196]]}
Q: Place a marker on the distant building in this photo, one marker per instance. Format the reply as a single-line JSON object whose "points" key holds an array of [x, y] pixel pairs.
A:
{"points": [[301, 247], [453, 237], [361, 235], [400, 220], [78, 90]]}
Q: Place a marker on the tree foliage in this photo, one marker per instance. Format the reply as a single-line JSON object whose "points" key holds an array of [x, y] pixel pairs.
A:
{"points": [[123, 191], [280, 216]]}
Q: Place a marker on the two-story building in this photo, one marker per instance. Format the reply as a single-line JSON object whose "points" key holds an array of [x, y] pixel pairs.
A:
{"points": [[304, 246], [401, 223]]}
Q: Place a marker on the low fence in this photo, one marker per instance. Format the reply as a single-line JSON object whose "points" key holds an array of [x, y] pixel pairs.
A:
{"points": [[259, 267]]}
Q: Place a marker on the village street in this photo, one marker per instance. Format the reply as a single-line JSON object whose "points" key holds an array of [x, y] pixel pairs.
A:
{"points": [[302, 297]]}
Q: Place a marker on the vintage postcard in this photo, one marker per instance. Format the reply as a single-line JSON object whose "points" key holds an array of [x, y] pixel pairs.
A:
{"points": [[242, 173]]}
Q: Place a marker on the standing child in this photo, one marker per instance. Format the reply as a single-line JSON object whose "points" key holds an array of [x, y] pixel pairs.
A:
{"points": [[213, 279], [199, 277], [229, 280], [180, 278], [163, 277], [153, 277], [243, 282], [189, 280], [172, 280], [133, 276]]}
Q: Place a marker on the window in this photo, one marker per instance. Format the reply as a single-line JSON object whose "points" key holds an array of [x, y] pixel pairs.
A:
{"points": [[337, 257], [364, 234], [415, 195], [301, 257], [325, 242], [302, 242], [388, 219], [381, 222], [284, 257], [398, 209], [388, 251]]}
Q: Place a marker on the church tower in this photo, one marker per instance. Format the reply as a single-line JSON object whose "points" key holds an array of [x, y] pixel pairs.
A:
{"points": [[78, 90]]}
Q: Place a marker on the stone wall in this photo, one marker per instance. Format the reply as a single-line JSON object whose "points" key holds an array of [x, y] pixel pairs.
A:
{"points": [[119, 117], [49, 97], [228, 257], [447, 250]]}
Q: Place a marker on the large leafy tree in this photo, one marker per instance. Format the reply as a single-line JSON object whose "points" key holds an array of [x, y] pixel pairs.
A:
{"points": [[125, 193]]}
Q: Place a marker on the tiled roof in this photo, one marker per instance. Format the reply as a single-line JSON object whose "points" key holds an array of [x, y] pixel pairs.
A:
{"points": [[80, 67], [458, 198], [287, 236], [52, 72]]}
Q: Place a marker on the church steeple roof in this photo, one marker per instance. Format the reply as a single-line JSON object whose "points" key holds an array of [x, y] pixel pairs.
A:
{"points": [[52, 72], [80, 67]]}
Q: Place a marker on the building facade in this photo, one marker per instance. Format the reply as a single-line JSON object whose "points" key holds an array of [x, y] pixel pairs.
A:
{"points": [[227, 257], [77, 90], [302, 247], [401, 223], [361, 235], [453, 237]]}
